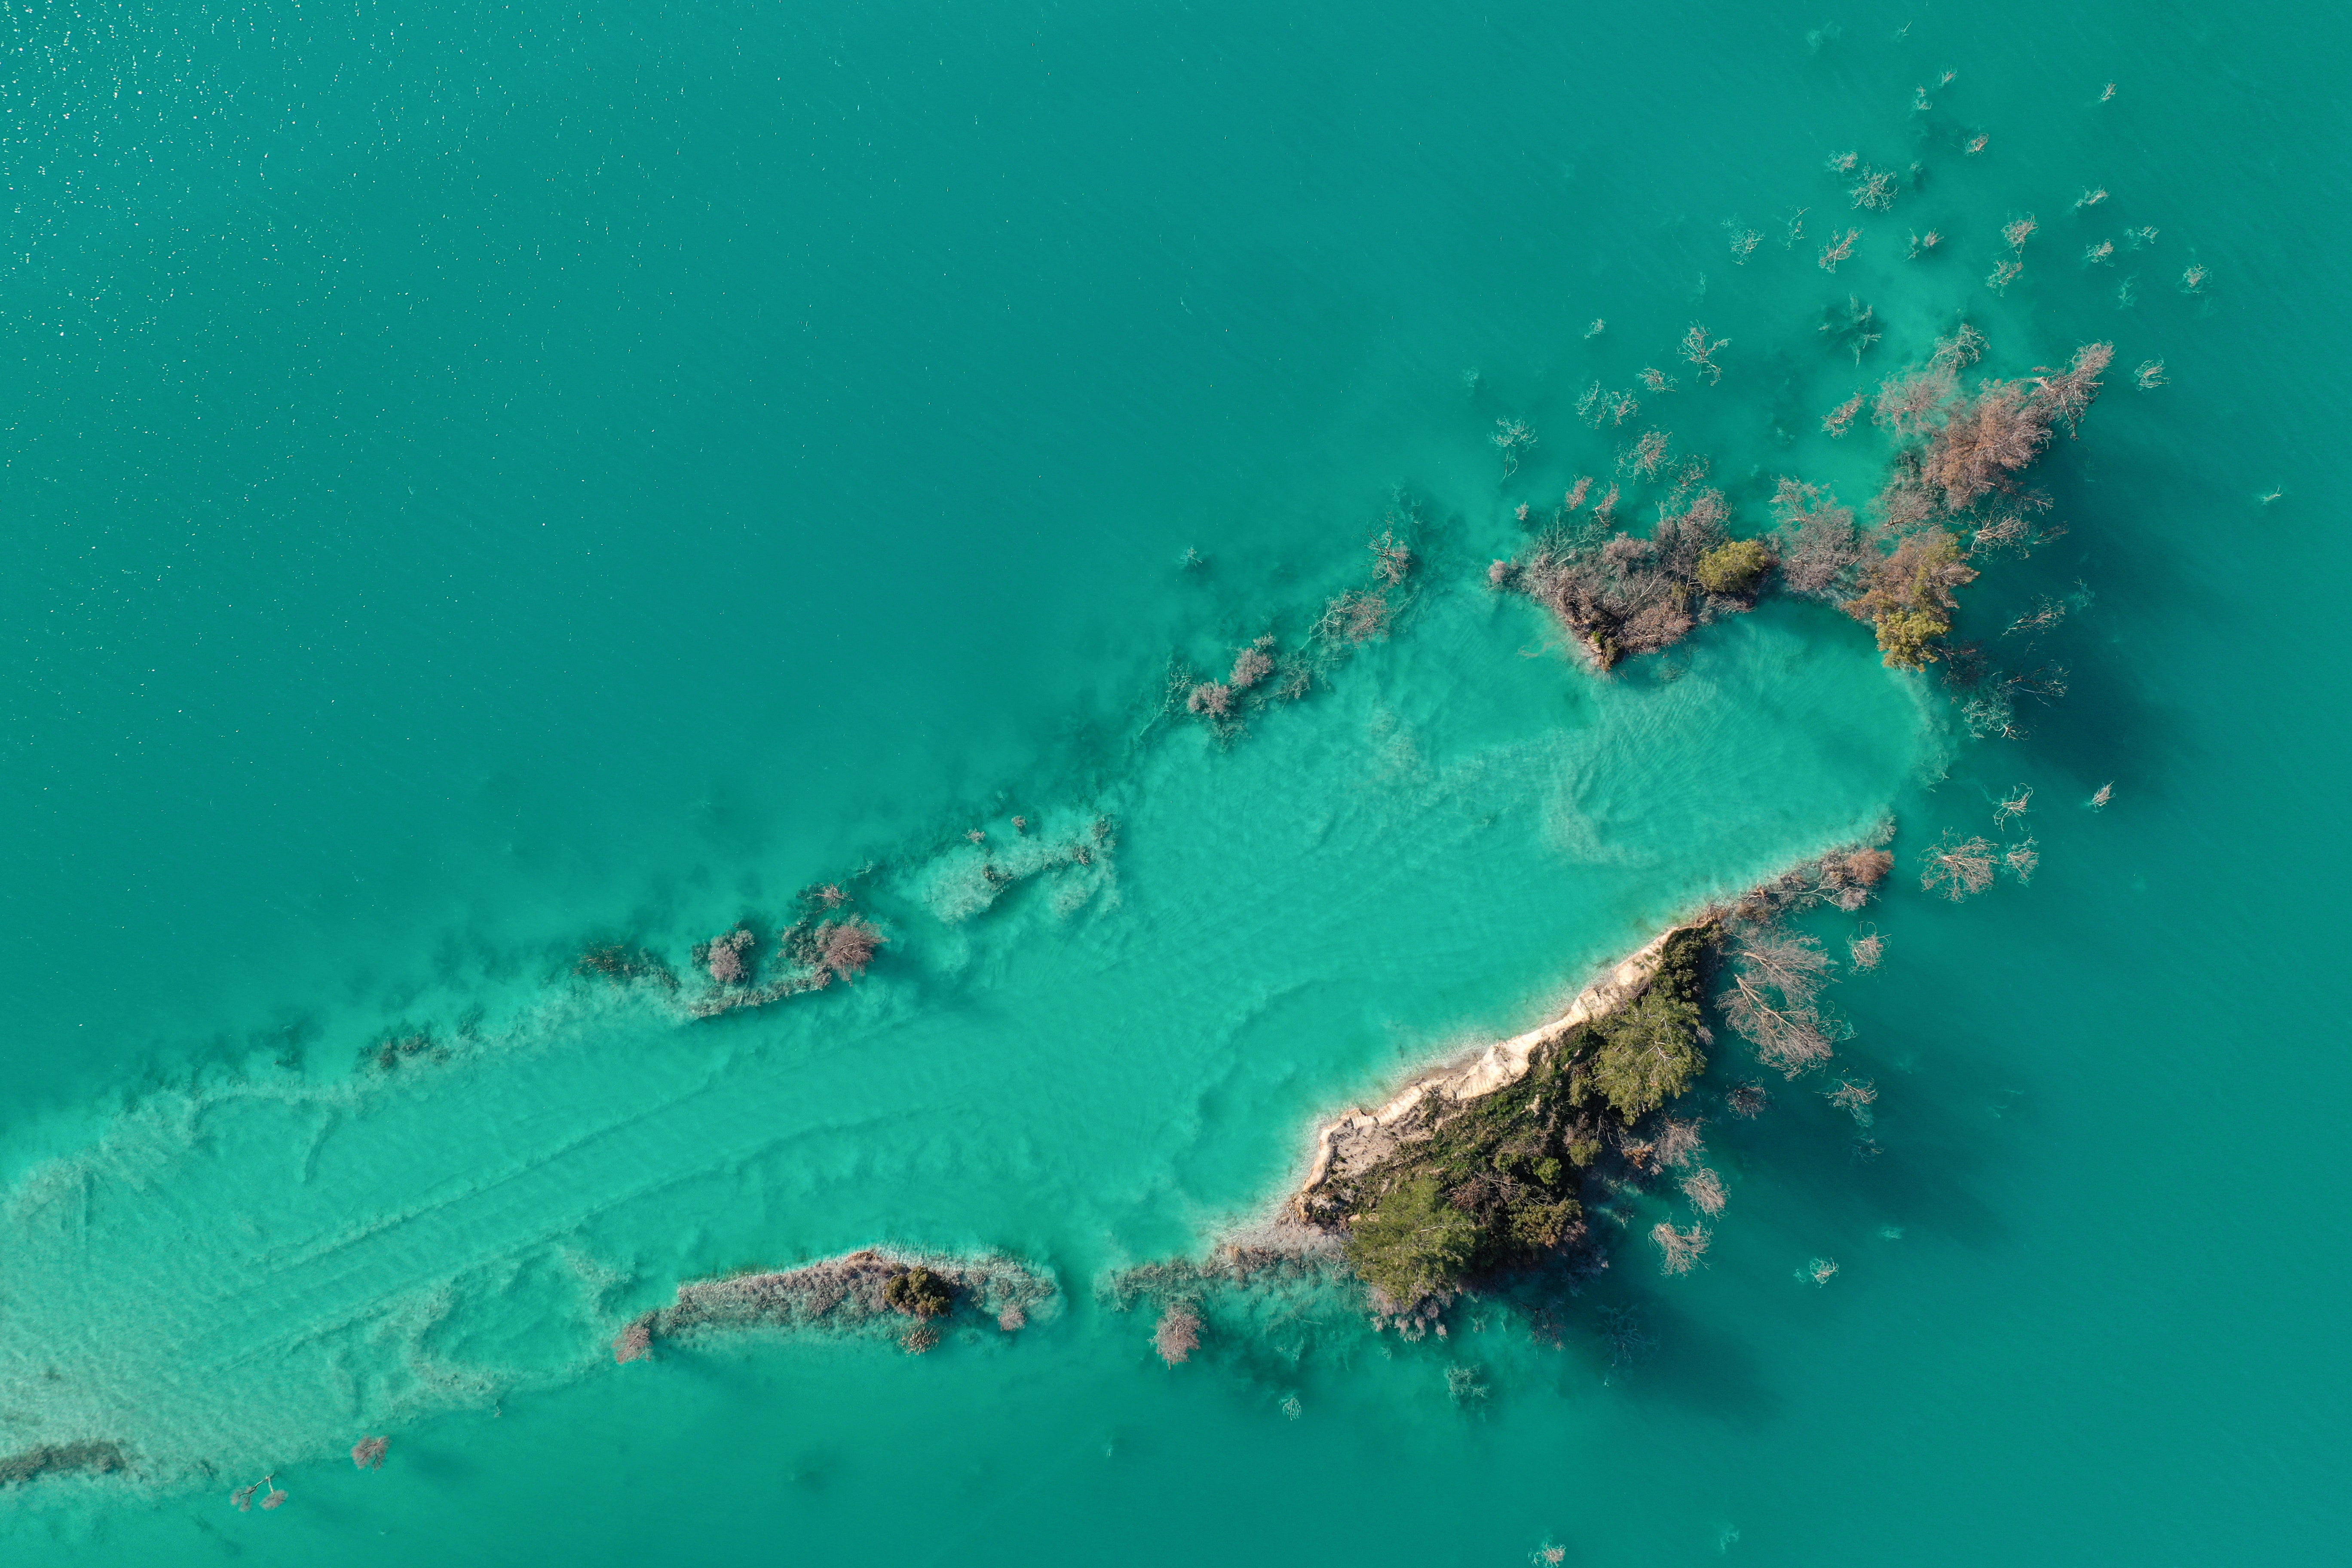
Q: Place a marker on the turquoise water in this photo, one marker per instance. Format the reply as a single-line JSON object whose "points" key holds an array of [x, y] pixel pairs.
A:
{"points": [[492, 483]]}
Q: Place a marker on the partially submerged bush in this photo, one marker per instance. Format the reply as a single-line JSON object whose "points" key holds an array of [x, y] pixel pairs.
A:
{"points": [[1622, 594], [920, 1292], [1909, 598], [1733, 568]]}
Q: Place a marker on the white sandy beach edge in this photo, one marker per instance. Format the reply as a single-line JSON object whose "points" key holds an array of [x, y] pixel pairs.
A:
{"points": [[1498, 1065]]}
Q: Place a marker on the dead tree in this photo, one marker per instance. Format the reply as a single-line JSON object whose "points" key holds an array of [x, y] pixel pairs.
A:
{"points": [[1958, 866], [1684, 1249], [1772, 998]]}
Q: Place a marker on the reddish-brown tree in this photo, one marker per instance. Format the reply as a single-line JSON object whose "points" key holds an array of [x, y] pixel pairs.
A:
{"points": [[845, 948], [1211, 699], [1178, 1334]]}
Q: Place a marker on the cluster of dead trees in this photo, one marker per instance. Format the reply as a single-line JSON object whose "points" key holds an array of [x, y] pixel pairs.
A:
{"points": [[1954, 496], [1773, 975], [1263, 673], [1624, 595], [1960, 455]]}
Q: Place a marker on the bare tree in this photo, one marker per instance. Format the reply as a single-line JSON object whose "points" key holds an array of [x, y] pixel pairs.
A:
{"points": [[2022, 860], [1251, 665], [845, 948], [1867, 950], [1646, 455], [1819, 551], [1684, 1249], [2067, 394], [1210, 699], [2017, 803], [2106, 793], [1910, 403], [1621, 1330], [2046, 612], [1679, 1141], [1392, 559], [1513, 436], [1959, 350], [1704, 1190], [1855, 1098], [1875, 190], [1958, 866], [1700, 351], [1772, 998]]}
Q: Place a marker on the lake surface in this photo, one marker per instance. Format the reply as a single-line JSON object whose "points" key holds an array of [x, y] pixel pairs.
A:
{"points": [[488, 485]]}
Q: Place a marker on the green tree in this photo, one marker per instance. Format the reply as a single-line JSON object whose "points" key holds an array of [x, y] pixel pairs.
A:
{"points": [[920, 1291], [1649, 1052], [1907, 637], [1414, 1242], [1732, 568]]}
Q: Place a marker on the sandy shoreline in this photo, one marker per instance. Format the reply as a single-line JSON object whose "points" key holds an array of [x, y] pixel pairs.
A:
{"points": [[1363, 1135]]}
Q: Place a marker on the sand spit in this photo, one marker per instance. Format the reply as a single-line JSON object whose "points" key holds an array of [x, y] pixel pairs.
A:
{"points": [[849, 1294], [1362, 1138]]}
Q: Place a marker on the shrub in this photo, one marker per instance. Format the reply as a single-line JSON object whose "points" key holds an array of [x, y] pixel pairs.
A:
{"points": [[1909, 598], [1732, 569], [1907, 637], [920, 1292]]}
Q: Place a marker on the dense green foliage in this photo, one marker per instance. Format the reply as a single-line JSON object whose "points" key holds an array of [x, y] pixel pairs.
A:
{"points": [[1492, 1182], [920, 1291], [1416, 1241], [1732, 568], [1910, 601], [1648, 1052]]}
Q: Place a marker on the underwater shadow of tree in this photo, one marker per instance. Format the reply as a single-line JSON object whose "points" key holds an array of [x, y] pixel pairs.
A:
{"points": [[1935, 1147], [2108, 725], [1691, 1363]]}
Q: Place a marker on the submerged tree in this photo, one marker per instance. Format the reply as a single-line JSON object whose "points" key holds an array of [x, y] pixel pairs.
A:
{"points": [[1773, 996], [1958, 866], [1704, 1188], [1682, 1250]]}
